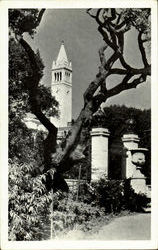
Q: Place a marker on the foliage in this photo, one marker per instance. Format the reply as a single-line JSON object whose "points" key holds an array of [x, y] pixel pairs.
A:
{"points": [[116, 117], [134, 202], [96, 203], [113, 196], [109, 194], [70, 214], [19, 70], [20, 140], [23, 20], [138, 18], [47, 102], [28, 198], [28, 203]]}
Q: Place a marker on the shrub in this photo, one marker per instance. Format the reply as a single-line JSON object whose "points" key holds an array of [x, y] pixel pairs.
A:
{"points": [[133, 201], [109, 194], [69, 214], [114, 196], [28, 203]]}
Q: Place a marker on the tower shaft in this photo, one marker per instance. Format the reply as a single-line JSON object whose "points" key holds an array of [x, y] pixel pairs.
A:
{"points": [[61, 88]]}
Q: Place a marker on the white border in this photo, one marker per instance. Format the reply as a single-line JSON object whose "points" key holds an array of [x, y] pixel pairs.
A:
{"points": [[79, 4], [4, 5]]}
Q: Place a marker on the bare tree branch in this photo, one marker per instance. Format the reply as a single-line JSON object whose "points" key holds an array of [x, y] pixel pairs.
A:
{"points": [[120, 26], [96, 17], [113, 15], [88, 12], [133, 71], [106, 38], [120, 37], [40, 16], [124, 85], [93, 86], [142, 50], [112, 60], [112, 33], [102, 55]]}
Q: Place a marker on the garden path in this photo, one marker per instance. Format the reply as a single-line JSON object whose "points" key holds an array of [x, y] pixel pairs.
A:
{"points": [[131, 227]]}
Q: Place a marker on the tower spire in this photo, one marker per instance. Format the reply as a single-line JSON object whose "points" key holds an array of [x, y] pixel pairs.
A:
{"points": [[62, 59], [62, 55]]}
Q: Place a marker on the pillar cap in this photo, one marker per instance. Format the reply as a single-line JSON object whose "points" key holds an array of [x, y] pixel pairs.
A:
{"points": [[135, 150], [130, 137], [100, 131], [127, 135]]}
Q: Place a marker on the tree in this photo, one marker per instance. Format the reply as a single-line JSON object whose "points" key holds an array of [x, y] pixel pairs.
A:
{"points": [[28, 198], [113, 24]]}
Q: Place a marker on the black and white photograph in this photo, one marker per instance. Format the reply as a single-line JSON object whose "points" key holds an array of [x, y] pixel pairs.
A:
{"points": [[80, 118]]}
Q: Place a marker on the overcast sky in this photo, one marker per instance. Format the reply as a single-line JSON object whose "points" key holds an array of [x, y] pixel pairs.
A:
{"points": [[82, 41]]}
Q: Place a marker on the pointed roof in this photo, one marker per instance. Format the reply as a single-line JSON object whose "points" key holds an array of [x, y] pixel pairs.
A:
{"points": [[62, 59], [62, 56]]}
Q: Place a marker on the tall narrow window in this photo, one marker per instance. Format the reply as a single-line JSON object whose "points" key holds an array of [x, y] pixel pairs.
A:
{"points": [[60, 76], [55, 76]]}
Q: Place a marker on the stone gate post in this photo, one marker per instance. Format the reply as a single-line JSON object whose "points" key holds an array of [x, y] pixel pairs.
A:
{"points": [[134, 160], [130, 141], [99, 153]]}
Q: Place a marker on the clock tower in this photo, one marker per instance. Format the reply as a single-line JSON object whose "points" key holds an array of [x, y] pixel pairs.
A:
{"points": [[61, 88]]}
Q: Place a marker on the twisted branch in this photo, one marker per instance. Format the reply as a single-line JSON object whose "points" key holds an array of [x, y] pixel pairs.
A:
{"points": [[125, 85], [142, 50]]}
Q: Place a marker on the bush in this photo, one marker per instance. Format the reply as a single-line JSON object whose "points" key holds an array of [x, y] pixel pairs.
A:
{"points": [[28, 203], [69, 214], [109, 194], [114, 196], [133, 201]]}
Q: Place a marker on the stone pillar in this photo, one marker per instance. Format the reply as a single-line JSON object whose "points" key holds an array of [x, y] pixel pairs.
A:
{"points": [[134, 160], [99, 153], [130, 141]]}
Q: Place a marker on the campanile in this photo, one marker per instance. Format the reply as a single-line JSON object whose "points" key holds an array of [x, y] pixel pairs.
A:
{"points": [[61, 87]]}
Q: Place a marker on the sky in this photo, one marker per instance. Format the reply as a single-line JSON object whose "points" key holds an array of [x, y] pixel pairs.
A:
{"points": [[82, 42]]}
